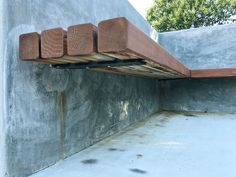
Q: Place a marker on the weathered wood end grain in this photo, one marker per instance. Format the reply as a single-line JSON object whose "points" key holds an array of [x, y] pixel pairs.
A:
{"points": [[82, 39], [53, 43], [29, 46]]}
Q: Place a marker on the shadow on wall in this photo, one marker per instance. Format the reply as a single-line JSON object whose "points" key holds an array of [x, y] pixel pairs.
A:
{"points": [[203, 95]]}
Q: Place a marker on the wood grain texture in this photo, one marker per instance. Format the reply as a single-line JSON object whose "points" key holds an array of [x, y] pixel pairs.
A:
{"points": [[53, 43], [209, 73], [119, 36], [29, 49], [82, 39], [82, 43], [29, 46], [77, 46]]}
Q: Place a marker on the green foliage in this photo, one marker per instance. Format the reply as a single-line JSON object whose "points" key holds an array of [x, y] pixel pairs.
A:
{"points": [[168, 15]]}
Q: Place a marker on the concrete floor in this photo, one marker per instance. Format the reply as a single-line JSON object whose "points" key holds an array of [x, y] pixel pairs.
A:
{"points": [[166, 145]]}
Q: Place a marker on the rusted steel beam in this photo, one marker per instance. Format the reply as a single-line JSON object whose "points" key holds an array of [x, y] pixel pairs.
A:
{"points": [[118, 37], [209, 73]]}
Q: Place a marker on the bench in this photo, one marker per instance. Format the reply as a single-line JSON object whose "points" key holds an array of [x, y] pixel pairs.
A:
{"points": [[115, 46]]}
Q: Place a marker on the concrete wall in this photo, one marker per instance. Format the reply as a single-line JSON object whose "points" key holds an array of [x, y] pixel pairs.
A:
{"points": [[203, 95], [52, 114], [208, 47], [49, 114], [2, 95]]}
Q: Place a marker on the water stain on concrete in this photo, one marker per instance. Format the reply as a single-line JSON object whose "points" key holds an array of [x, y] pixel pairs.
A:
{"points": [[139, 156], [112, 149], [190, 115], [89, 161], [139, 135], [61, 106], [116, 149], [159, 125], [136, 170], [167, 116]]}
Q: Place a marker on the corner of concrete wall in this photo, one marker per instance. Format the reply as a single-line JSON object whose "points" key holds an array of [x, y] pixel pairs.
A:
{"points": [[201, 95], [206, 47], [2, 93]]}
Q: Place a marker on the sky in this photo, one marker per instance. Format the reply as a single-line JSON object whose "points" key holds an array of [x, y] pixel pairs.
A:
{"points": [[141, 5]]}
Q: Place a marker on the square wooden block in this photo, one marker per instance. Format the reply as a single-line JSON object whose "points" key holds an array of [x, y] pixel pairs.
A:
{"points": [[82, 39], [29, 45], [53, 43]]}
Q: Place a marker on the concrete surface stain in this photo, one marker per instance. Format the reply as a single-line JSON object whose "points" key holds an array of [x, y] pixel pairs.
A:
{"points": [[167, 116], [61, 113], [89, 161], [139, 135], [115, 149], [190, 115], [136, 170], [139, 156], [159, 125], [112, 149]]}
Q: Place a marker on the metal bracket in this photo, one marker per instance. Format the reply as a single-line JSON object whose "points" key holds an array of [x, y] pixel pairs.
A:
{"points": [[100, 64]]}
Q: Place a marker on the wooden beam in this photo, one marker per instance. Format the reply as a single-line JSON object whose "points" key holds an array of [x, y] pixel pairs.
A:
{"points": [[82, 43], [75, 49], [121, 39], [53, 43], [29, 46], [209, 73], [29, 49], [82, 39], [79, 45]]}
